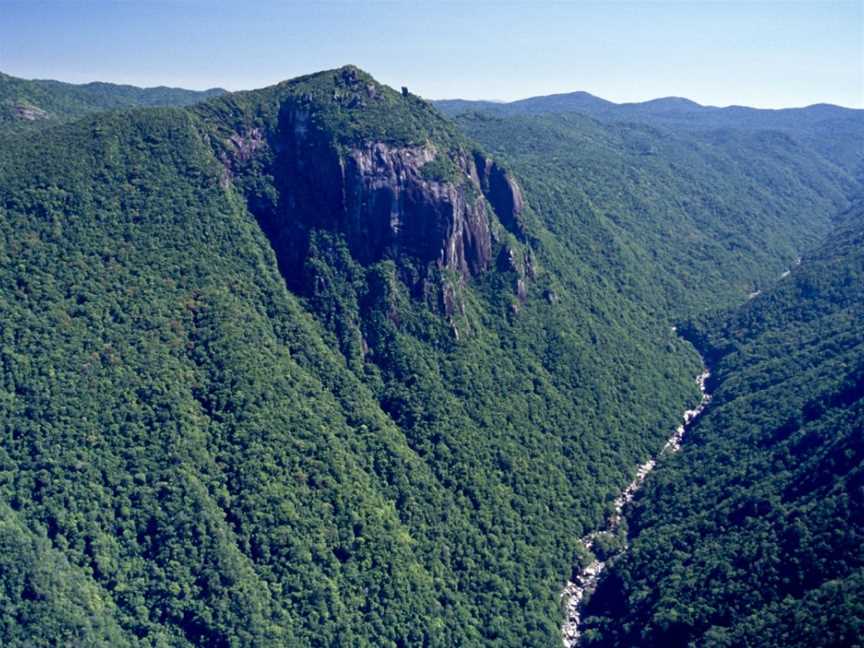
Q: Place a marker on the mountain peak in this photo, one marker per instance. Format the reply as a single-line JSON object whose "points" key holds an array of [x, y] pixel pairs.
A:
{"points": [[675, 103], [353, 107], [345, 79], [381, 169]]}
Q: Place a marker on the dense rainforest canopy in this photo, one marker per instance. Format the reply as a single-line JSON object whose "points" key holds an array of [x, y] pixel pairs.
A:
{"points": [[314, 365]]}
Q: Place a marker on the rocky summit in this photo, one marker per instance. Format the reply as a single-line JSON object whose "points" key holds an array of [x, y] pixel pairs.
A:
{"points": [[406, 192]]}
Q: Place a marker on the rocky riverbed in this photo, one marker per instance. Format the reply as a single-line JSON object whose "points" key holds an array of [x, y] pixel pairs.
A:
{"points": [[575, 591]]}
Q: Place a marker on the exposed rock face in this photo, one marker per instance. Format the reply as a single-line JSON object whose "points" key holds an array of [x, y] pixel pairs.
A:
{"points": [[29, 113], [502, 192], [376, 195], [245, 145], [389, 207]]}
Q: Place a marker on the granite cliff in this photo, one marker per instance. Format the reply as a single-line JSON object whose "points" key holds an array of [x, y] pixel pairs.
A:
{"points": [[426, 200]]}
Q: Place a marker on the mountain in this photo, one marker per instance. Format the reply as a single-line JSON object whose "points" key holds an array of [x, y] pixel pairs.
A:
{"points": [[754, 536], [831, 130], [315, 365], [295, 366], [26, 104], [677, 110], [707, 219], [569, 102]]}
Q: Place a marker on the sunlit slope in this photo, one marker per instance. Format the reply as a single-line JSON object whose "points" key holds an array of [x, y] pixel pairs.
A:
{"points": [[753, 535]]}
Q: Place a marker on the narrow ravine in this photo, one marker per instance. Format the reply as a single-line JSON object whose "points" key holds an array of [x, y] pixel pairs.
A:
{"points": [[575, 590]]}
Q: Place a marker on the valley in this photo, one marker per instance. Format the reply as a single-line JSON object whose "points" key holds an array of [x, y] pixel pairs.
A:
{"points": [[317, 364], [585, 582]]}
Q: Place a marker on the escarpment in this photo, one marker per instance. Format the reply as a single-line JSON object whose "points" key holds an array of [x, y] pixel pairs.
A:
{"points": [[502, 191], [426, 204], [381, 199]]}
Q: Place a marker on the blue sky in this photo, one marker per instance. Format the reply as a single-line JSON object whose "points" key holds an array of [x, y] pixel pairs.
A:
{"points": [[767, 54]]}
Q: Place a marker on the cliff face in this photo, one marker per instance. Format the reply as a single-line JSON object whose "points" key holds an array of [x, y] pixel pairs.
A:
{"points": [[502, 192], [379, 197], [434, 204], [389, 206]]}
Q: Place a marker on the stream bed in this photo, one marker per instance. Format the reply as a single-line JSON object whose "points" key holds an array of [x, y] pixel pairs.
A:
{"points": [[575, 591]]}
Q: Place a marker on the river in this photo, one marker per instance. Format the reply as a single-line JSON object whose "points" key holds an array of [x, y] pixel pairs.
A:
{"points": [[585, 582]]}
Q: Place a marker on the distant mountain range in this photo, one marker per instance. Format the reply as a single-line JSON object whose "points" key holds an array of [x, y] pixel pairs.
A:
{"points": [[34, 103], [833, 130], [671, 108]]}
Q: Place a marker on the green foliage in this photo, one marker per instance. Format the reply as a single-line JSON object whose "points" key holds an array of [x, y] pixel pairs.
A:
{"points": [[44, 600], [202, 446], [440, 169], [683, 221], [754, 535], [232, 464], [831, 131], [32, 105], [229, 466], [350, 105], [346, 104]]}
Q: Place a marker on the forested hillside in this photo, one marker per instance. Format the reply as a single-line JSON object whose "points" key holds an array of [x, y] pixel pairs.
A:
{"points": [[27, 105], [313, 365], [707, 218], [832, 131], [400, 448], [753, 536]]}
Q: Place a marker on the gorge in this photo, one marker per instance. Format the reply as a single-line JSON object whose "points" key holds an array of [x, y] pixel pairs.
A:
{"points": [[319, 364], [585, 581]]}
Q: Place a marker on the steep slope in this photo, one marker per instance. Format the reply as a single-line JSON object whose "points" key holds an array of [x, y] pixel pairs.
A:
{"points": [[485, 372], [306, 366], [300, 367], [160, 430], [753, 536], [27, 105], [706, 220]]}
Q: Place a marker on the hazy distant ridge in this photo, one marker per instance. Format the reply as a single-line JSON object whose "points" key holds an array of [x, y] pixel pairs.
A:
{"points": [[832, 130]]}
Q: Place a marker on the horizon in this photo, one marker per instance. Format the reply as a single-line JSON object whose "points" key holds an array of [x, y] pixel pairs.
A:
{"points": [[625, 52], [435, 99]]}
